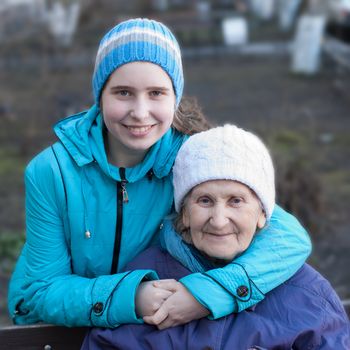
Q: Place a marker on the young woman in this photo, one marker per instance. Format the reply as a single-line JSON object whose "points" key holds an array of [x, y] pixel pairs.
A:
{"points": [[96, 198], [224, 196]]}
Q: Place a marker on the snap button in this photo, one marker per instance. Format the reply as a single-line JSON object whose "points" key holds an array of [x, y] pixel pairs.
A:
{"points": [[161, 226], [87, 234], [98, 307], [242, 291]]}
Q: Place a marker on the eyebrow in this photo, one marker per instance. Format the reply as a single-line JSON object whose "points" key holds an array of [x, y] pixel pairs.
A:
{"points": [[161, 88], [236, 193], [121, 87]]}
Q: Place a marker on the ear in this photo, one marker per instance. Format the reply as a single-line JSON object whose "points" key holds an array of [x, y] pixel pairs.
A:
{"points": [[261, 220]]}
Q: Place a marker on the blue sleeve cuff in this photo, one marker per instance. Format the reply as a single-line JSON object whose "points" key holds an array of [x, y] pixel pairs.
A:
{"points": [[230, 290], [122, 309], [235, 280], [113, 299]]}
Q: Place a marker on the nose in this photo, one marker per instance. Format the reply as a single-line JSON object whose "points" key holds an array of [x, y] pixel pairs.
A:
{"points": [[140, 110], [219, 219]]}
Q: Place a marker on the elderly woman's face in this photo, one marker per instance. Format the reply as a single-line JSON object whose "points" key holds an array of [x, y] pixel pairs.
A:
{"points": [[222, 217]]}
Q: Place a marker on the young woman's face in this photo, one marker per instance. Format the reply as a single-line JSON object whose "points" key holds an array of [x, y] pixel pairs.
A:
{"points": [[222, 216], [138, 105]]}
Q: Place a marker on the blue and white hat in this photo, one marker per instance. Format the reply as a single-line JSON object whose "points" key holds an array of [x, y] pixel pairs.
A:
{"points": [[138, 40]]}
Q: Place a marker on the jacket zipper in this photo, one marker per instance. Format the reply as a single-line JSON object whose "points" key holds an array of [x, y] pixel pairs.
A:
{"points": [[122, 197]]}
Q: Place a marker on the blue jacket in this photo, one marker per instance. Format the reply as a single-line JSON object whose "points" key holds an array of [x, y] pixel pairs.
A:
{"points": [[302, 313], [81, 233]]}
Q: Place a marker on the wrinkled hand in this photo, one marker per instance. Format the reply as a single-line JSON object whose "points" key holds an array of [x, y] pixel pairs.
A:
{"points": [[179, 308], [149, 298]]}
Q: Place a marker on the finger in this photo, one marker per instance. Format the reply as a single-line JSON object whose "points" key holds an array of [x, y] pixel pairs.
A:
{"points": [[165, 282], [165, 294], [162, 294], [158, 317], [159, 298], [170, 285], [166, 324]]}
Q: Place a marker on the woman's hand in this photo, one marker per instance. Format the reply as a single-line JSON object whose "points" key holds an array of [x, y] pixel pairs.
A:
{"points": [[179, 308], [149, 298]]}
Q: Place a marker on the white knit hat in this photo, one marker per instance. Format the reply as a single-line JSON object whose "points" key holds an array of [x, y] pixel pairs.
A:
{"points": [[225, 153]]}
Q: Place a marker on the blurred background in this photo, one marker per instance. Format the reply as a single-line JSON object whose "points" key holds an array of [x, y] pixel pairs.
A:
{"points": [[280, 68]]}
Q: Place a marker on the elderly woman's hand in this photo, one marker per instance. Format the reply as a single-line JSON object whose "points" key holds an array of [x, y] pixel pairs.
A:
{"points": [[179, 308]]}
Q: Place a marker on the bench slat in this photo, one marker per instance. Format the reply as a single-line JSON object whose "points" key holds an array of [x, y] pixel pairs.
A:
{"points": [[50, 337], [41, 337]]}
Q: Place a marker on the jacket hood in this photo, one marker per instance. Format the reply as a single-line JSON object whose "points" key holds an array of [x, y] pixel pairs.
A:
{"points": [[82, 136]]}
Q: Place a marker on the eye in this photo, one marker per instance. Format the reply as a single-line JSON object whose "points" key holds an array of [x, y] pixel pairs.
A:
{"points": [[204, 201], [123, 93], [236, 201], [156, 93]]}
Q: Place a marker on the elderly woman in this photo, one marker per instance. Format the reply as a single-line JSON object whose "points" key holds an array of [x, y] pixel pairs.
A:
{"points": [[224, 194]]}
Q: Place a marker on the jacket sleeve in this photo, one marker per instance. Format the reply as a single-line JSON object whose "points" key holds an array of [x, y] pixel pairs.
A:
{"points": [[274, 255], [43, 287]]}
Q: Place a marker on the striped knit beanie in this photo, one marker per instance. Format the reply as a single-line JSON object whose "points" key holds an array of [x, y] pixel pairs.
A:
{"points": [[138, 40], [225, 153]]}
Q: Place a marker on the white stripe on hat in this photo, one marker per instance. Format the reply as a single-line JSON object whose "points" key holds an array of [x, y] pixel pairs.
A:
{"points": [[131, 32]]}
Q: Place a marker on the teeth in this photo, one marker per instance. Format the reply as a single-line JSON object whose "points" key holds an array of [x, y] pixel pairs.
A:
{"points": [[139, 129]]}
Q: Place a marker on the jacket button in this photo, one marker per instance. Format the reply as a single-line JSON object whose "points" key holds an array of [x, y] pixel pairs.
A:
{"points": [[242, 291], [98, 307]]}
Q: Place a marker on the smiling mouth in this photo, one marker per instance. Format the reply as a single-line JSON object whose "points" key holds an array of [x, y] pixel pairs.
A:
{"points": [[139, 130], [218, 235]]}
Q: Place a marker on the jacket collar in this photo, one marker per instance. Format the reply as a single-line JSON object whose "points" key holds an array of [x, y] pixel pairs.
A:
{"points": [[82, 136]]}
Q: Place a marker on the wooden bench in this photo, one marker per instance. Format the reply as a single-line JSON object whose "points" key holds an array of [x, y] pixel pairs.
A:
{"points": [[49, 337], [41, 337]]}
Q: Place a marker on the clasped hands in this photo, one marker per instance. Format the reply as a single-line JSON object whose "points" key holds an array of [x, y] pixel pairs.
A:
{"points": [[167, 303]]}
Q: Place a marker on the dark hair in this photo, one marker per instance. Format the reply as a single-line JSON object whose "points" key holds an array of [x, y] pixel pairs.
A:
{"points": [[189, 118]]}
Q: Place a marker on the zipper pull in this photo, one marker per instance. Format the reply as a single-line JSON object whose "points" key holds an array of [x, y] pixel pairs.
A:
{"points": [[123, 183], [124, 192]]}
